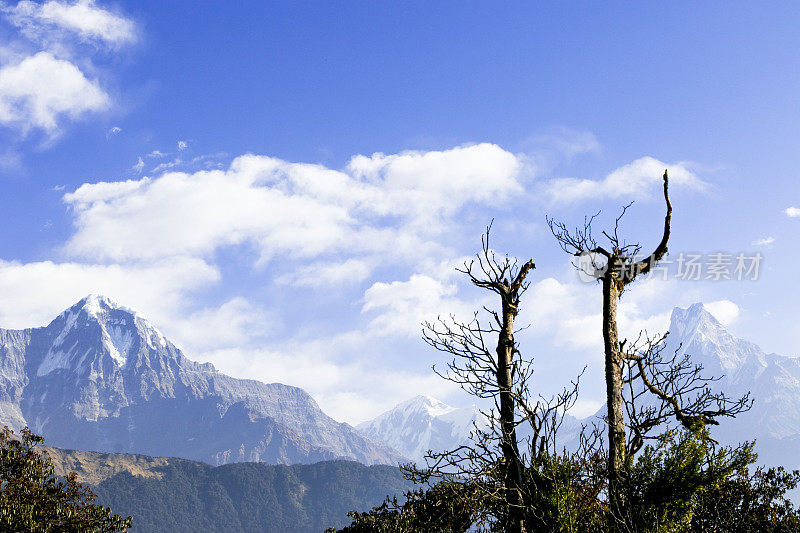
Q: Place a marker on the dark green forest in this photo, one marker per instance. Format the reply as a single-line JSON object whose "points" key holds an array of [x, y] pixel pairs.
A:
{"points": [[249, 497]]}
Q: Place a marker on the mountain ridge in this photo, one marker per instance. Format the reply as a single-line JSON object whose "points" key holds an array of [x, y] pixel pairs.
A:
{"points": [[741, 366], [101, 377]]}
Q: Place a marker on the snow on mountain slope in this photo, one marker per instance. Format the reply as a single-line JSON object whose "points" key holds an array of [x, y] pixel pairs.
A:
{"points": [[742, 366], [101, 377], [772, 380], [423, 423]]}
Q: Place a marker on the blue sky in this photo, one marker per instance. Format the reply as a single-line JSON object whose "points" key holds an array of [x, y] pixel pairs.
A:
{"points": [[285, 188]]}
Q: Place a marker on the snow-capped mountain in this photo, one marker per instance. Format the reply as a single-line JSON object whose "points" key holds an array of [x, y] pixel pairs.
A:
{"points": [[424, 423], [773, 381], [101, 377]]}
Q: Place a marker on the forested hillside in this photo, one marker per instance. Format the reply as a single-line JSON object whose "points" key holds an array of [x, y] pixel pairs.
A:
{"points": [[248, 497]]}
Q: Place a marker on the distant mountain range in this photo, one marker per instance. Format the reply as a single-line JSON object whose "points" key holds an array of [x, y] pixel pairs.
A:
{"points": [[423, 423], [181, 496], [101, 377]]}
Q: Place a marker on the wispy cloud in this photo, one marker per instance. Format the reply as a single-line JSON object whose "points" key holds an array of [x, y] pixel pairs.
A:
{"points": [[168, 165], [766, 241], [49, 21], [793, 212]]}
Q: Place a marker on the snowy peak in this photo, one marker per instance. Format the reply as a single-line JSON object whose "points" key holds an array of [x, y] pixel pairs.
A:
{"points": [[697, 332], [424, 423], [101, 377], [425, 404], [95, 327], [694, 318]]}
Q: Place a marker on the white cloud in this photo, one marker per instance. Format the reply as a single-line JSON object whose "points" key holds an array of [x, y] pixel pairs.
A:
{"points": [[32, 294], [236, 322], [569, 314], [544, 151], [793, 212], [326, 274], [403, 306], [638, 179], [182, 145], [429, 184], [139, 166], [392, 206], [723, 310], [46, 22], [167, 165], [396, 216], [10, 159], [766, 241], [41, 89]]}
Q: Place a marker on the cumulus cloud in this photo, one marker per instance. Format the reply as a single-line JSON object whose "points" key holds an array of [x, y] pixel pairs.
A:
{"points": [[427, 184], [389, 206], [41, 89], [398, 216], [793, 212], [400, 307], [48, 22], [723, 310], [638, 179]]}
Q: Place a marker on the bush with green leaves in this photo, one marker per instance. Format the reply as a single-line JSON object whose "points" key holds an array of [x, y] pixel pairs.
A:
{"points": [[683, 482], [34, 499]]}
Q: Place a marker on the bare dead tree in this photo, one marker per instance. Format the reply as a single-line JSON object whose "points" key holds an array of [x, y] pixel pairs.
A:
{"points": [[487, 364], [681, 392], [661, 387]]}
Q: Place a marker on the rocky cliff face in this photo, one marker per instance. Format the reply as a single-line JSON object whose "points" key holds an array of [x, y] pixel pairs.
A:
{"points": [[101, 377]]}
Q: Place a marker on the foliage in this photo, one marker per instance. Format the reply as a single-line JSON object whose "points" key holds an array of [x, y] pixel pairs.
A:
{"points": [[33, 498], [669, 478], [447, 507], [249, 497], [683, 483], [749, 503]]}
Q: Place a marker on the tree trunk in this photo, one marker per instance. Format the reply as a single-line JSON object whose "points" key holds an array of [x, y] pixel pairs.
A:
{"points": [[513, 465], [616, 427]]}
